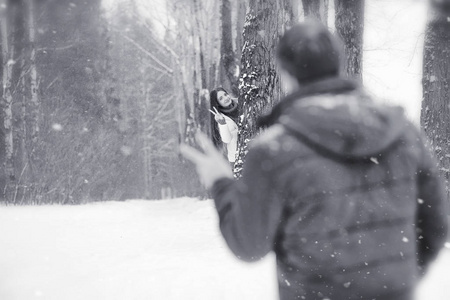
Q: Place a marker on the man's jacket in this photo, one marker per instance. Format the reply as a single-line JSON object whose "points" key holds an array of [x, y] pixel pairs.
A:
{"points": [[345, 193]]}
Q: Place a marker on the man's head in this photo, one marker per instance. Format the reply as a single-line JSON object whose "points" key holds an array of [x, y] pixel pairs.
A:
{"points": [[309, 52]]}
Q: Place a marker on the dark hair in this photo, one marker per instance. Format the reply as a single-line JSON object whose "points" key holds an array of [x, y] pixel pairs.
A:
{"points": [[309, 52], [214, 103]]}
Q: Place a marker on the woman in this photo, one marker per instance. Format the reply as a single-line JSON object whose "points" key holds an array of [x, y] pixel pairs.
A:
{"points": [[224, 125]]}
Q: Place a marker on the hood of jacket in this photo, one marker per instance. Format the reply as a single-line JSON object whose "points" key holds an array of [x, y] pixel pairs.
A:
{"points": [[346, 124]]}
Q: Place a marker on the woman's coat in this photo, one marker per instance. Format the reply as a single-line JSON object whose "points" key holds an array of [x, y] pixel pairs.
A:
{"points": [[228, 133]]}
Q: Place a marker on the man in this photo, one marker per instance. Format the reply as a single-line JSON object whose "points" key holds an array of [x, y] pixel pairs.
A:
{"points": [[341, 188]]}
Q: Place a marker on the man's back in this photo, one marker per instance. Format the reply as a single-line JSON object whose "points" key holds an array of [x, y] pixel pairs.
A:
{"points": [[348, 178]]}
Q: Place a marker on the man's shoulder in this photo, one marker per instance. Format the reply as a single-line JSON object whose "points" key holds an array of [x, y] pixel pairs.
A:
{"points": [[270, 138], [276, 140]]}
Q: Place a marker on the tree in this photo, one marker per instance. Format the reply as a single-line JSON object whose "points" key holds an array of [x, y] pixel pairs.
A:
{"points": [[350, 27], [240, 8], [12, 46], [316, 9], [259, 84], [227, 53], [34, 104], [435, 112], [69, 130], [7, 64]]}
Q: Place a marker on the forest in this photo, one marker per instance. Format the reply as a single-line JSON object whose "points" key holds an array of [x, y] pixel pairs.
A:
{"points": [[97, 95]]}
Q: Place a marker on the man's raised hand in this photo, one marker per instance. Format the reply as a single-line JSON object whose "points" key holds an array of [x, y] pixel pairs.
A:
{"points": [[210, 164]]}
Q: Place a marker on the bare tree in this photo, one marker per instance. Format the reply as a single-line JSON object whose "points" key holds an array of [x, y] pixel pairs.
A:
{"points": [[316, 9], [259, 84], [295, 10], [350, 26], [33, 107], [6, 101], [240, 9], [227, 53], [435, 112]]}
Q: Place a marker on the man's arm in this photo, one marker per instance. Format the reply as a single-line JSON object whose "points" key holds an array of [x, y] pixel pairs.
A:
{"points": [[250, 209]]}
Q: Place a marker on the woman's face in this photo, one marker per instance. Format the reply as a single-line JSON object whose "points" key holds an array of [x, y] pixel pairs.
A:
{"points": [[223, 98]]}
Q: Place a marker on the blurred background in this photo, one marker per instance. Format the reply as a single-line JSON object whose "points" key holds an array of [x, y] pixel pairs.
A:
{"points": [[97, 95]]}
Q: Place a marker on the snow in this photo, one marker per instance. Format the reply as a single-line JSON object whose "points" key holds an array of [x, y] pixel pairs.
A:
{"points": [[137, 249], [173, 249], [124, 250]]}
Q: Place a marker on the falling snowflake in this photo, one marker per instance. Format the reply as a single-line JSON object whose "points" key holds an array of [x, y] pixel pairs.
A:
{"points": [[126, 150], [57, 127]]}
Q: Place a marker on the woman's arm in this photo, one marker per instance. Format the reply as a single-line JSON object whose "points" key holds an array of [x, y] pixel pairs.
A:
{"points": [[227, 131]]}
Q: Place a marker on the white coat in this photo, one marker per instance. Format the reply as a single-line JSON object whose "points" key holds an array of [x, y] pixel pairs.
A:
{"points": [[228, 134]]}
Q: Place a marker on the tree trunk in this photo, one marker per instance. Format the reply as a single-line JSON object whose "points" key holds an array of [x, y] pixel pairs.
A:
{"points": [[227, 54], [350, 27], [200, 105], [295, 10], [198, 35], [259, 84], [8, 63], [435, 112], [33, 107], [316, 9], [239, 27]]}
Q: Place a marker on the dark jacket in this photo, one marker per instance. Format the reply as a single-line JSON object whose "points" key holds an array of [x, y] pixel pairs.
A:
{"points": [[345, 193]]}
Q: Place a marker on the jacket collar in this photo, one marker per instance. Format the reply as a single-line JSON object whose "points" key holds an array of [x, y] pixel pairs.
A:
{"points": [[334, 85]]}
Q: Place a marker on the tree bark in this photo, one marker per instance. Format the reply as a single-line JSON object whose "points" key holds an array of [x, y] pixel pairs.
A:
{"points": [[8, 63], [241, 8], [316, 9], [227, 53], [435, 112], [295, 10], [34, 88], [259, 84], [350, 27]]}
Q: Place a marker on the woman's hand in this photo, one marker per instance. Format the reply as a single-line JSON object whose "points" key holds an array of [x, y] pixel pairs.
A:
{"points": [[210, 164], [218, 116]]}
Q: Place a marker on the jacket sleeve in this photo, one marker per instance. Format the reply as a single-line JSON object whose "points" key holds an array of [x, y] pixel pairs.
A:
{"points": [[227, 130], [249, 209], [432, 211]]}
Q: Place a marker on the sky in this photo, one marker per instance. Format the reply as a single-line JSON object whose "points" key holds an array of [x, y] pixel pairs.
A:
{"points": [[154, 10], [393, 46]]}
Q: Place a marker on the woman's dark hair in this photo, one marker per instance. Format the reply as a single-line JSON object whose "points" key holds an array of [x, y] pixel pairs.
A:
{"points": [[309, 52], [214, 103]]}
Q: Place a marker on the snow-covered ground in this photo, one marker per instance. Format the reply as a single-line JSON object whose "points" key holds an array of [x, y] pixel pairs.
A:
{"points": [[124, 250], [137, 249]]}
